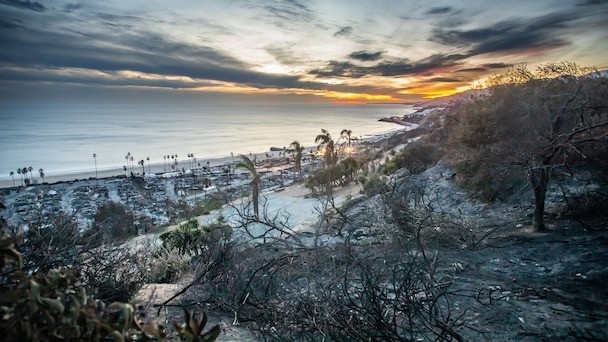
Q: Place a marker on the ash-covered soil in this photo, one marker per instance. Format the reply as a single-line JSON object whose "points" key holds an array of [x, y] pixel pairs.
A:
{"points": [[524, 286]]}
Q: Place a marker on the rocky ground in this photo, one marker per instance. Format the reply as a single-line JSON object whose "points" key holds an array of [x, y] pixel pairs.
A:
{"points": [[516, 284]]}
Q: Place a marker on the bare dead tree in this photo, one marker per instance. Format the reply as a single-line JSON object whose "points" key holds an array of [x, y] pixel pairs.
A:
{"points": [[536, 124]]}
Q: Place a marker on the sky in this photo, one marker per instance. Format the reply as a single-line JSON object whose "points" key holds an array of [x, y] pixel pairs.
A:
{"points": [[283, 50]]}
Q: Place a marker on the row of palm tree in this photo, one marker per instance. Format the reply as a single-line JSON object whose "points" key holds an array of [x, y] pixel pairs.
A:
{"points": [[330, 147], [324, 140], [130, 164], [167, 161], [23, 173]]}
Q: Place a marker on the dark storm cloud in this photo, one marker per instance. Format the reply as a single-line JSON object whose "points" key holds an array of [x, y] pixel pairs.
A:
{"points": [[486, 67], [473, 69], [289, 10], [29, 5], [444, 80], [340, 69], [30, 50], [511, 35], [112, 79], [593, 2], [365, 56], [146, 53], [439, 10], [10, 23], [72, 7], [401, 67], [117, 18], [344, 31], [497, 65], [280, 13]]}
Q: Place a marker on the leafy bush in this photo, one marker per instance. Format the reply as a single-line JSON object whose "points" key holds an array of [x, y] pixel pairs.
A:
{"points": [[166, 266], [192, 239], [334, 175], [420, 155], [206, 206], [374, 185], [113, 221], [393, 164], [53, 306], [416, 157]]}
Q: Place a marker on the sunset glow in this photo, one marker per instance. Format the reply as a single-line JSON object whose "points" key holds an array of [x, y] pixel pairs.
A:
{"points": [[353, 52]]}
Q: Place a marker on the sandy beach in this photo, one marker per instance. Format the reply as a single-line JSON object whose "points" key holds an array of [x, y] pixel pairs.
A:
{"points": [[155, 168]]}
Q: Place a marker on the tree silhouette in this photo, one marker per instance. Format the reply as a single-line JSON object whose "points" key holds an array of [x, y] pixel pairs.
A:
{"points": [[20, 175], [298, 149], [41, 171], [24, 175], [249, 165], [537, 125], [347, 134], [96, 178], [325, 141], [128, 158], [12, 174]]}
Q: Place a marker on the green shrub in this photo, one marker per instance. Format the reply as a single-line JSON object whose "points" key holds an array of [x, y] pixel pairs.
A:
{"points": [[208, 205], [420, 155], [166, 266], [394, 164], [54, 306], [374, 185], [192, 239]]}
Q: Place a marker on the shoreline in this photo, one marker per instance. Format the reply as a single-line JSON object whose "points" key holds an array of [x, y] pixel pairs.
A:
{"points": [[159, 168]]}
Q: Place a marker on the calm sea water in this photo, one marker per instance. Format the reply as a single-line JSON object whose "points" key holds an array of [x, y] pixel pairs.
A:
{"points": [[64, 138]]}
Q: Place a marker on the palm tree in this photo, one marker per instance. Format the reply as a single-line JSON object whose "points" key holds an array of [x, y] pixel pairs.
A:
{"points": [[127, 159], [30, 169], [249, 165], [324, 140], [346, 133], [143, 170], [21, 175], [298, 149], [96, 179], [24, 175], [41, 171], [148, 159], [12, 174]]}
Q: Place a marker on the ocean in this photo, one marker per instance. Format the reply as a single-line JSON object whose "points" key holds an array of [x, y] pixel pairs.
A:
{"points": [[63, 138]]}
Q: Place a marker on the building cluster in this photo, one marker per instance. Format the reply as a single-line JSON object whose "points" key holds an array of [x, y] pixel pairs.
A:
{"points": [[154, 199]]}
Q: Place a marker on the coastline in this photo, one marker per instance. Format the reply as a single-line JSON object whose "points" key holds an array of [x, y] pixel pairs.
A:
{"points": [[159, 168]]}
